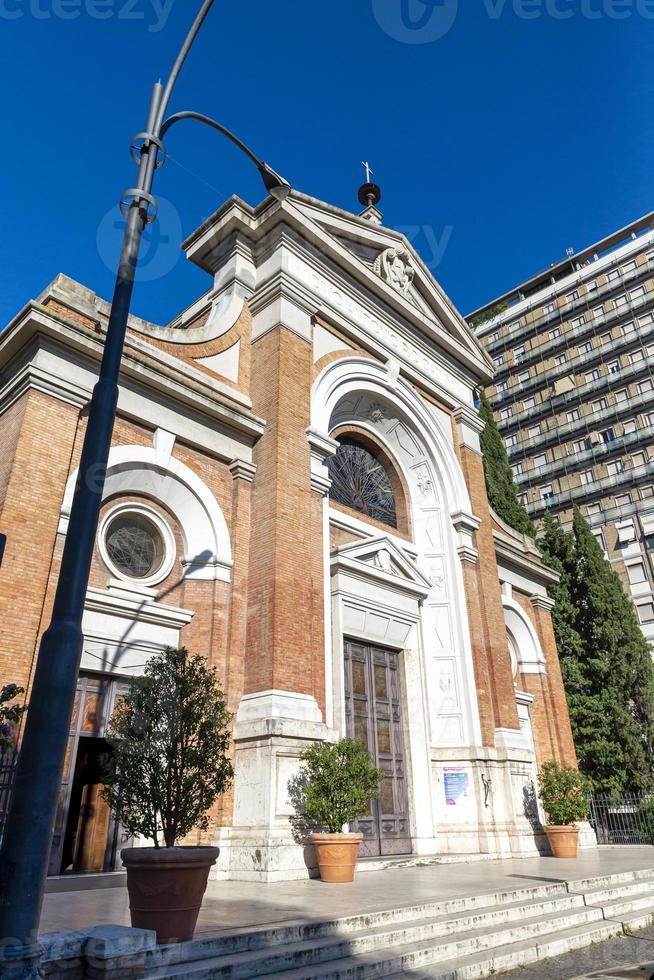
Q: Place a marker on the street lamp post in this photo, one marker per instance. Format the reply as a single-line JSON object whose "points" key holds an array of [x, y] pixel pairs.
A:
{"points": [[28, 833]]}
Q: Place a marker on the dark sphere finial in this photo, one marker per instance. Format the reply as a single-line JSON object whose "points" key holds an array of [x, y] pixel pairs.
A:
{"points": [[369, 194]]}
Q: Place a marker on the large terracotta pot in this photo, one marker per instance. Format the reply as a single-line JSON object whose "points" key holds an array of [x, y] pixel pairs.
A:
{"points": [[166, 886], [337, 855], [563, 840]]}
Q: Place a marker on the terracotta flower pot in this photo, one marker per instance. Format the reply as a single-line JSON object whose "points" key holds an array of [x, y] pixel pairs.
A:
{"points": [[563, 840], [337, 855], [166, 886]]}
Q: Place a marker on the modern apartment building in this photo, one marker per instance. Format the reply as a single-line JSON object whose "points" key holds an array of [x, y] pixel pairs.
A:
{"points": [[574, 396]]}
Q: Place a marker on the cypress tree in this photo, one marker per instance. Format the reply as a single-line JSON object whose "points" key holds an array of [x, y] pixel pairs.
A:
{"points": [[605, 661], [500, 485]]}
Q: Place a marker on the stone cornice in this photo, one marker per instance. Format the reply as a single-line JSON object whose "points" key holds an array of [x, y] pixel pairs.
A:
{"points": [[242, 470], [542, 602], [512, 555]]}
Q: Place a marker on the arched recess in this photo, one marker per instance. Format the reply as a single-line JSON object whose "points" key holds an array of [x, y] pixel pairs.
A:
{"points": [[526, 645], [360, 393], [142, 471]]}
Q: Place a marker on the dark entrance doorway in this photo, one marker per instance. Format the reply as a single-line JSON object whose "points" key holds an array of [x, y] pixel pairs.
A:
{"points": [[86, 836], [373, 709]]}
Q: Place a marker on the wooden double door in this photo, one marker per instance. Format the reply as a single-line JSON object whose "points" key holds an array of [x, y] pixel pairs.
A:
{"points": [[86, 836], [374, 718]]}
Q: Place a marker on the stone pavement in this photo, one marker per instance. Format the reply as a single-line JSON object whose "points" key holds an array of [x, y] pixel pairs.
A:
{"points": [[233, 905]]}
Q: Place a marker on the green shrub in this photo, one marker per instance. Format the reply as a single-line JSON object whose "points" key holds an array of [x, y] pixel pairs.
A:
{"points": [[169, 741], [337, 783], [10, 714], [563, 793]]}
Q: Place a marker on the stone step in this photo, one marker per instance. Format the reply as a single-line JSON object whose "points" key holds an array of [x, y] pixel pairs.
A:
{"points": [[388, 862], [246, 939], [430, 939], [481, 966], [600, 896], [423, 960]]}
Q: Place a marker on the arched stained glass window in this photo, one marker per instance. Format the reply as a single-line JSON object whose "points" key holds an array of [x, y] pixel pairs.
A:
{"points": [[359, 480]]}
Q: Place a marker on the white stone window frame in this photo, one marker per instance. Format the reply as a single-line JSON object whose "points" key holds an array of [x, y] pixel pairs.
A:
{"points": [[167, 536]]}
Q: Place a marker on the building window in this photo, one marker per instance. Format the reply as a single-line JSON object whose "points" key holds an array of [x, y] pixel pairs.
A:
{"points": [[613, 275], [546, 492], [136, 543], [605, 338], [534, 431], [599, 537], [578, 321], [573, 296], [499, 360], [623, 500], [638, 459], [549, 308], [620, 396], [493, 337], [585, 348], [591, 286], [501, 387], [586, 477], [529, 403], [636, 356], [608, 435], [615, 467], [518, 469], [519, 353], [573, 416], [511, 441], [540, 460], [645, 319], [645, 612], [626, 532], [580, 446], [560, 360], [613, 367], [645, 493], [593, 509], [555, 333], [620, 302], [628, 426], [637, 292], [361, 481], [593, 375], [645, 386], [523, 377], [629, 266], [598, 311], [599, 405], [506, 413], [636, 573]]}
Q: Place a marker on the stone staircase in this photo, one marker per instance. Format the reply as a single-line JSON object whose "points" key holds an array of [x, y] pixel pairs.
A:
{"points": [[472, 937]]}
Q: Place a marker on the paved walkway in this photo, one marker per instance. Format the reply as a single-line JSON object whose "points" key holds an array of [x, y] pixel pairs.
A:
{"points": [[231, 905]]}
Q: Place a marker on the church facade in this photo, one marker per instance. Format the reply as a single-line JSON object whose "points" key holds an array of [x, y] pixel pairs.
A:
{"points": [[296, 491]]}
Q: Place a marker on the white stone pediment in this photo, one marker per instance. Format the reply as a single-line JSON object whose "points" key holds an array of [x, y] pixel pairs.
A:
{"points": [[391, 257], [382, 559]]}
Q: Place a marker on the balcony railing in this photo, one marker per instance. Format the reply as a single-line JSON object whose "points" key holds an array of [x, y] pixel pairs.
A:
{"points": [[557, 315], [596, 454], [607, 484], [559, 430], [577, 333], [637, 335]]}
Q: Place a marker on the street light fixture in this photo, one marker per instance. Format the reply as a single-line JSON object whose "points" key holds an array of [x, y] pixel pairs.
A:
{"points": [[28, 832]]}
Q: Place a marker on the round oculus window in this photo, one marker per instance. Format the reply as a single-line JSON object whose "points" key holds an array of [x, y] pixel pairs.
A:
{"points": [[135, 545]]}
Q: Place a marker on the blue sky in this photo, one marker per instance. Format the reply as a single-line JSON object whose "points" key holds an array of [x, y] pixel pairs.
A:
{"points": [[501, 131]]}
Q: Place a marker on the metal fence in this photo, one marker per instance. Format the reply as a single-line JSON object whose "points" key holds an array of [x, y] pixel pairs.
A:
{"points": [[8, 762], [624, 820]]}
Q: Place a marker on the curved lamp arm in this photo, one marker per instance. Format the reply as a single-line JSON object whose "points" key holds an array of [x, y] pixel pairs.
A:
{"points": [[273, 182]]}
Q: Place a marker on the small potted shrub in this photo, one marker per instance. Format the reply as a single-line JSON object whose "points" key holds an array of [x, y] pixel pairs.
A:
{"points": [[337, 783], [167, 766], [563, 793]]}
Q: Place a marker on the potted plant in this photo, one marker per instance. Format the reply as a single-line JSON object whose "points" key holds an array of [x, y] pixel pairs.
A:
{"points": [[337, 783], [167, 766], [563, 793]]}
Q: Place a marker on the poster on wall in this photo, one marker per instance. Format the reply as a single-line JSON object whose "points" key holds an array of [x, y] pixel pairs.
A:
{"points": [[457, 783]]}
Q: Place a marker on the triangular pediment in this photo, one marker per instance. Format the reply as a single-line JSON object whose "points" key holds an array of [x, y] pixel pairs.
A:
{"points": [[391, 258], [380, 557]]}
